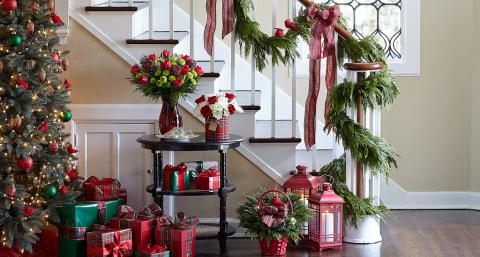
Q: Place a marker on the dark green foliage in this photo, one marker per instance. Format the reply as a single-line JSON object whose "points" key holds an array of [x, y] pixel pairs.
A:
{"points": [[355, 207], [44, 101], [291, 227]]}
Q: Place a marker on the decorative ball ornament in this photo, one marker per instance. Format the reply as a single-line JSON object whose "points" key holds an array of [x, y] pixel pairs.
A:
{"points": [[55, 56], [49, 191], [14, 40], [53, 147], [30, 27], [43, 127], [28, 210], [65, 64], [9, 5], [71, 149], [63, 190], [25, 164], [10, 190], [66, 116], [42, 75], [72, 174], [15, 122]]}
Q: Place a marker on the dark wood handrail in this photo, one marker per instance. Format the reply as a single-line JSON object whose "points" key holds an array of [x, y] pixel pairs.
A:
{"points": [[338, 28]]}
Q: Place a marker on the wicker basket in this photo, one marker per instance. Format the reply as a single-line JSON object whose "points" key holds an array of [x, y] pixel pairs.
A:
{"points": [[274, 247]]}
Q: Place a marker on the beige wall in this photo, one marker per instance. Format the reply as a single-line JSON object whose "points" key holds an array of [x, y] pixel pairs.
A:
{"points": [[475, 106], [431, 124]]}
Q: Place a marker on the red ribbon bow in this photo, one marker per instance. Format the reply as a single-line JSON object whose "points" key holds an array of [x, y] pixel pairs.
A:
{"points": [[117, 248], [154, 249], [322, 28], [126, 212], [180, 168], [211, 172], [228, 22], [273, 216]]}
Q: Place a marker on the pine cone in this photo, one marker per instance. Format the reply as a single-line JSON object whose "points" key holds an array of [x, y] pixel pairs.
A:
{"points": [[42, 75], [65, 64], [10, 190]]}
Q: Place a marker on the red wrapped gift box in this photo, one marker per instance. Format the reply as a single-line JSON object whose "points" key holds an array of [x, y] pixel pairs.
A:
{"points": [[111, 243], [153, 251], [179, 237], [142, 223], [101, 190], [208, 180], [174, 177], [123, 195]]}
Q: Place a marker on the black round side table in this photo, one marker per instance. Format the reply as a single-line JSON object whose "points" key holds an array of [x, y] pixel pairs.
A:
{"points": [[156, 145]]}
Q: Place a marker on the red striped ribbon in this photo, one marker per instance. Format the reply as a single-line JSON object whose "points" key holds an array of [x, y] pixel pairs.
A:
{"points": [[322, 30], [210, 27]]}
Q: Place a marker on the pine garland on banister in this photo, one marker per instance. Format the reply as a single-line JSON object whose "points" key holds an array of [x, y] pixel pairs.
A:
{"points": [[378, 90]]}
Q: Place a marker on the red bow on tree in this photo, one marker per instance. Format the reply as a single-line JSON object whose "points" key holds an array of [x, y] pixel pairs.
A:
{"points": [[322, 28]]}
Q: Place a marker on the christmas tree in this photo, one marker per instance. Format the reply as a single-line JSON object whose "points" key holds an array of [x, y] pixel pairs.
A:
{"points": [[36, 163]]}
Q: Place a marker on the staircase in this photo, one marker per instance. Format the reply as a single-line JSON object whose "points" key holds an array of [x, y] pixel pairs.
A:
{"points": [[135, 28]]}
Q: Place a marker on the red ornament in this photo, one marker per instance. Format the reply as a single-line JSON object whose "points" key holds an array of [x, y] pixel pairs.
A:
{"points": [[30, 27], [143, 80], [290, 24], [25, 165], [53, 148], [55, 56], [15, 122], [279, 32], [11, 191], [9, 5], [63, 190], [44, 127], [56, 19], [67, 84], [71, 149], [135, 69], [73, 175], [28, 210], [24, 84], [166, 53]]}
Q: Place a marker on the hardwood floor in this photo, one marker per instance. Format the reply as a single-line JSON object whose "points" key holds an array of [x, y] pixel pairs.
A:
{"points": [[427, 233]]}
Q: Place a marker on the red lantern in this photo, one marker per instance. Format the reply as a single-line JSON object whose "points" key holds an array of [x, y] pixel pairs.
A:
{"points": [[303, 184], [325, 230]]}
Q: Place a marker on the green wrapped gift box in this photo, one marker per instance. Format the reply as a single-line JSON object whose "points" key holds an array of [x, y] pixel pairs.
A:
{"points": [[77, 219]]}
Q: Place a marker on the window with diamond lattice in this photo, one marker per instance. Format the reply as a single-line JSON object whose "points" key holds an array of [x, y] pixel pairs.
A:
{"points": [[395, 23]]}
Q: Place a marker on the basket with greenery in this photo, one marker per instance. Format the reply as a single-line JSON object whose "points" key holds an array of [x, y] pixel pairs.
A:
{"points": [[290, 226]]}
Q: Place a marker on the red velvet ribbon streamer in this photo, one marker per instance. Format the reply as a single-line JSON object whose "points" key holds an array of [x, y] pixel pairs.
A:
{"points": [[210, 27], [211, 172], [322, 29]]}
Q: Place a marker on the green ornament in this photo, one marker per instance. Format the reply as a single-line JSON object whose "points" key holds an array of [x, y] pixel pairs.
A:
{"points": [[166, 72], [171, 78], [14, 40], [49, 191], [66, 116], [181, 62]]}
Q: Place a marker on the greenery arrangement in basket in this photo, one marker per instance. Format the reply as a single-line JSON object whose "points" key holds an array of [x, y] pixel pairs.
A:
{"points": [[291, 225]]}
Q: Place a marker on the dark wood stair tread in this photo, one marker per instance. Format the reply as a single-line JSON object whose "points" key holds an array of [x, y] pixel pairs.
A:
{"points": [[251, 107], [116, 6], [159, 37], [272, 140]]}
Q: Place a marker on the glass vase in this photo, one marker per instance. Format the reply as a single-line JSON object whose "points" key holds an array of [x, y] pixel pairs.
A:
{"points": [[170, 117]]}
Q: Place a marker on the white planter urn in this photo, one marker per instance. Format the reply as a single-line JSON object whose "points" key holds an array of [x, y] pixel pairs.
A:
{"points": [[366, 232]]}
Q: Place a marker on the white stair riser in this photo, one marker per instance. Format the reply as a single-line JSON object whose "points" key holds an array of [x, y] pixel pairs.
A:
{"points": [[280, 157], [243, 124], [283, 129]]}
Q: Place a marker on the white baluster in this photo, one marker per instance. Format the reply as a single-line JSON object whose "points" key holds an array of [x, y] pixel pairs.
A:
{"points": [[294, 81], [192, 30], [274, 87], [150, 20], [171, 19], [212, 57], [110, 2], [130, 2], [254, 65], [232, 62]]}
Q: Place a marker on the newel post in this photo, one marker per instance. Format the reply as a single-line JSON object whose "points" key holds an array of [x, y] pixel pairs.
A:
{"points": [[359, 179], [62, 8]]}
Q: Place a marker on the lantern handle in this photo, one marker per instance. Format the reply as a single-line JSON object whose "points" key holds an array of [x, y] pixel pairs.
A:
{"points": [[333, 179], [260, 199]]}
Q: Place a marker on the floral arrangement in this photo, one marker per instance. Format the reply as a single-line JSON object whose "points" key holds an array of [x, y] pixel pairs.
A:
{"points": [[217, 106], [166, 75], [290, 225]]}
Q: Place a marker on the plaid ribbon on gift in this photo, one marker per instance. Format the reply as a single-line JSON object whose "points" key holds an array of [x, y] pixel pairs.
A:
{"points": [[101, 190], [167, 238], [211, 25], [217, 130], [73, 233], [115, 242], [322, 28], [273, 216]]}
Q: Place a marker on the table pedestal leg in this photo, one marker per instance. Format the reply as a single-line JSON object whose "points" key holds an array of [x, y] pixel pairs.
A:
{"points": [[157, 177], [222, 194]]}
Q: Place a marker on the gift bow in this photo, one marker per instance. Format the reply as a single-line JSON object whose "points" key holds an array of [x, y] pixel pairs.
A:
{"points": [[273, 216], [211, 24], [180, 168], [211, 172], [322, 28], [118, 248], [146, 213], [155, 249], [182, 222], [104, 182]]}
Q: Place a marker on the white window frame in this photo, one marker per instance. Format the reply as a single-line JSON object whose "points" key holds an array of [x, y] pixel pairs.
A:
{"points": [[409, 65]]}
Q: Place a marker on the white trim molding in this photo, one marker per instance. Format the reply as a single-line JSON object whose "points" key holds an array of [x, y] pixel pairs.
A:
{"points": [[62, 8], [395, 197]]}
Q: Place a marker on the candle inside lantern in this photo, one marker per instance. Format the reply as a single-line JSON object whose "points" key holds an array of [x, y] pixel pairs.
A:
{"points": [[327, 226], [305, 225]]}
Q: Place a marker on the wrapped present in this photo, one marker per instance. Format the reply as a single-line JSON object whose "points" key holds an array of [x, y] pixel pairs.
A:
{"points": [[200, 166], [101, 190], [153, 251], [123, 195], [179, 236], [208, 180], [174, 177], [142, 223], [110, 242], [77, 219]]}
